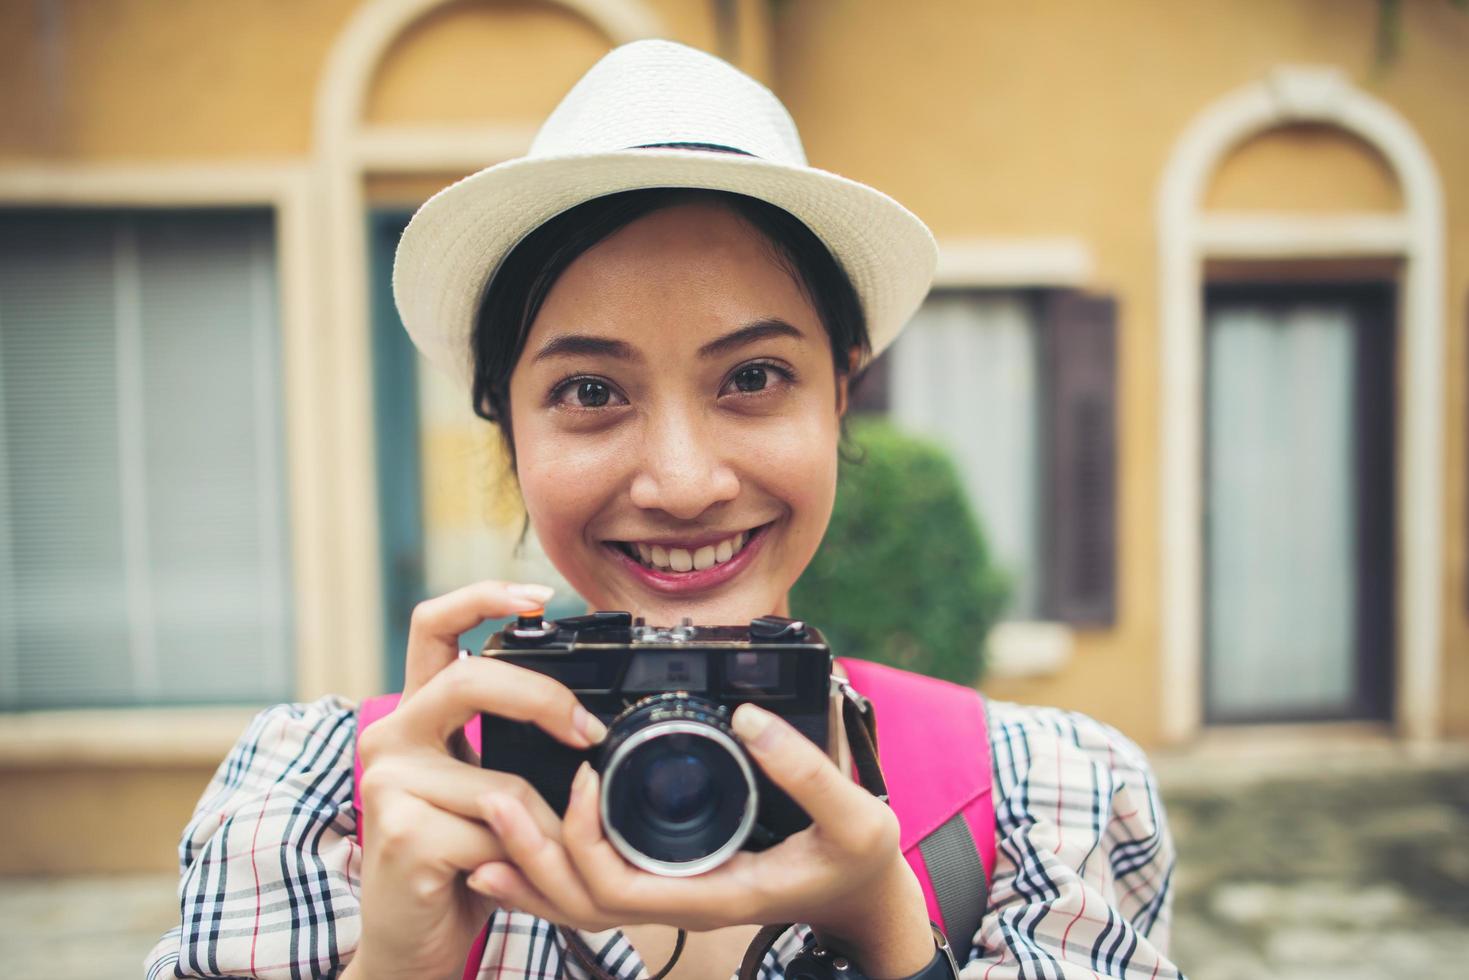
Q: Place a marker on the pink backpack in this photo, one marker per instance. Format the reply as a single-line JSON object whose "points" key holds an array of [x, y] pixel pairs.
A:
{"points": [[935, 754]]}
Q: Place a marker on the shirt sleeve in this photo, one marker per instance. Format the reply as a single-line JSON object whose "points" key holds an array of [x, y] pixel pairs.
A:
{"points": [[269, 864], [1084, 864]]}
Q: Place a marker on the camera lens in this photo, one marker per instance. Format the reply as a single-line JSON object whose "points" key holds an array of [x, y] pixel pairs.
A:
{"points": [[677, 789], [678, 792]]}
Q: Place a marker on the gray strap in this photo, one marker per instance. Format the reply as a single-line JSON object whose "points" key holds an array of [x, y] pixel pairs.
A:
{"points": [[957, 876]]}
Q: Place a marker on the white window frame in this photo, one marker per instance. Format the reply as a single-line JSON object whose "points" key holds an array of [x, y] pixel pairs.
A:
{"points": [[336, 647]]}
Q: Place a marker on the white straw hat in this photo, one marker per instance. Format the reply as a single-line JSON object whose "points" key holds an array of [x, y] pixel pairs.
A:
{"points": [[651, 114]]}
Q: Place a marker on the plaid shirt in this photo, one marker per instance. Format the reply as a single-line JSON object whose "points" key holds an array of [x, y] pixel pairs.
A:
{"points": [[271, 866]]}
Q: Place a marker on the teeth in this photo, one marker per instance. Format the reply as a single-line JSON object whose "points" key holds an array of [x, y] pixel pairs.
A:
{"points": [[684, 560]]}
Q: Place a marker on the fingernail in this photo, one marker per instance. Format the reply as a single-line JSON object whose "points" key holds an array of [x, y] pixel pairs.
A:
{"points": [[589, 725], [754, 727], [538, 593], [579, 781], [480, 882]]}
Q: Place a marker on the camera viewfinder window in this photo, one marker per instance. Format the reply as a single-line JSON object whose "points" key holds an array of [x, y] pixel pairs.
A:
{"points": [[667, 671], [752, 672]]}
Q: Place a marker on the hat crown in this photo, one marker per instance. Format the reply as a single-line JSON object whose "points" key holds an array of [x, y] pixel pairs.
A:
{"points": [[656, 93]]}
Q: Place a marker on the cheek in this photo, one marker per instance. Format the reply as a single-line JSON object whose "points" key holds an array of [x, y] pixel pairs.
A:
{"points": [[553, 503], [564, 482], [798, 465]]}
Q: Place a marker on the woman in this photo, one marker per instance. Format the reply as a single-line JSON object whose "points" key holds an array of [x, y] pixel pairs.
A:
{"points": [[661, 307]]}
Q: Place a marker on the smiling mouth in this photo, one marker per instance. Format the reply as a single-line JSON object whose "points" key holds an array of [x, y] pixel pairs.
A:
{"points": [[670, 559]]}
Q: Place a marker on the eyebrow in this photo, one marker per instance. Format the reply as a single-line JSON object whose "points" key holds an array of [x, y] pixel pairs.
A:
{"points": [[580, 344], [749, 334], [587, 345]]}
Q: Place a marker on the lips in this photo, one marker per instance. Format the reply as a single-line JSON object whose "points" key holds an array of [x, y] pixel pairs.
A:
{"points": [[680, 567]]}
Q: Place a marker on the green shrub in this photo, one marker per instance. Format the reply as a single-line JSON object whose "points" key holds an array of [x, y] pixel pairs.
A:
{"points": [[904, 576]]}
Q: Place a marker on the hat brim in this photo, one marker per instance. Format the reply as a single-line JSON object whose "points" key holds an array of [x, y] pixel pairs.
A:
{"points": [[458, 237]]}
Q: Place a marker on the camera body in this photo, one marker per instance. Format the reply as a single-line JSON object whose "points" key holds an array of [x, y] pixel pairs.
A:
{"points": [[679, 794]]}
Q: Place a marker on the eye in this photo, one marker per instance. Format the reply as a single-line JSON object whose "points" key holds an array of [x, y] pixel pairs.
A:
{"points": [[750, 378], [757, 377], [585, 393], [592, 394]]}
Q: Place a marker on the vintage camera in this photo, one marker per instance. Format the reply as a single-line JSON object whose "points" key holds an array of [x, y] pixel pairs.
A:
{"points": [[679, 794]]}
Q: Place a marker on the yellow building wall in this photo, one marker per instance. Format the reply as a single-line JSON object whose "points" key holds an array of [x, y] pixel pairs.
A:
{"points": [[1013, 119], [468, 62], [191, 80], [1304, 169], [96, 818]]}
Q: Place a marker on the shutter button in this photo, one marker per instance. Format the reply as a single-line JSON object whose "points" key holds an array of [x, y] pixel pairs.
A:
{"points": [[531, 628]]}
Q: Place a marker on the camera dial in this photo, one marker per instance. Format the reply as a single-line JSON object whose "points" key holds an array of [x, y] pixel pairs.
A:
{"points": [[682, 633]]}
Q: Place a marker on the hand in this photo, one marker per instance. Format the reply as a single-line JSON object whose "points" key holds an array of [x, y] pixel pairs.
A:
{"points": [[843, 875], [422, 827]]}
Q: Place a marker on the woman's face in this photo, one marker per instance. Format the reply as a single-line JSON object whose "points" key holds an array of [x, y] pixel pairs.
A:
{"points": [[676, 417]]}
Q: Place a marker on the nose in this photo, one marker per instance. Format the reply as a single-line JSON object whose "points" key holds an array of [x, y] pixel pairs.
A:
{"points": [[682, 470]]}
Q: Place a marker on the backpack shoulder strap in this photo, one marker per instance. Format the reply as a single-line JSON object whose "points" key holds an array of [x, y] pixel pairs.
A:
{"points": [[933, 744], [371, 710]]}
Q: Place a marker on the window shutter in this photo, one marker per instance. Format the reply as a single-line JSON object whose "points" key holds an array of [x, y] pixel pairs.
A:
{"points": [[1079, 350]]}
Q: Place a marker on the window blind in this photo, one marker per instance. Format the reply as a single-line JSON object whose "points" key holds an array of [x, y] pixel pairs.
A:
{"points": [[143, 539]]}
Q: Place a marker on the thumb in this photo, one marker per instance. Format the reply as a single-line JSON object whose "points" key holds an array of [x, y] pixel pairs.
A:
{"points": [[797, 765]]}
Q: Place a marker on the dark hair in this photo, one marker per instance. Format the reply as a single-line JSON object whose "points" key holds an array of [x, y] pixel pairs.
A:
{"points": [[516, 290]]}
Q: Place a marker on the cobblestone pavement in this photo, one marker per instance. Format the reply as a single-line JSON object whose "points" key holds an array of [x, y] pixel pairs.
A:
{"points": [[1349, 867]]}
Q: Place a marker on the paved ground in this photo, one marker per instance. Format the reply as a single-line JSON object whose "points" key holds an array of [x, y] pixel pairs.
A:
{"points": [[82, 928], [1354, 869], [1351, 865]]}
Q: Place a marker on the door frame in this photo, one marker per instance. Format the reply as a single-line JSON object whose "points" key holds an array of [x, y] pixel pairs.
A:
{"points": [[398, 461], [1188, 237]]}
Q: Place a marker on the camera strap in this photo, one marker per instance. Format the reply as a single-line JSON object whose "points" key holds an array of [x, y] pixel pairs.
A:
{"points": [[588, 959], [860, 721]]}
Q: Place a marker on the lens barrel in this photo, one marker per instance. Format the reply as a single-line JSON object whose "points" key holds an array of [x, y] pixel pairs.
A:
{"points": [[678, 791]]}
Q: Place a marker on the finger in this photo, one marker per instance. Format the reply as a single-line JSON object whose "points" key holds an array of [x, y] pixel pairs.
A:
{"points": [[407, 831], [456, 787], [508, 888], [612, 881], [797, 765], [585, 841], [433, 633], [467, 687], [543, 862]]}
